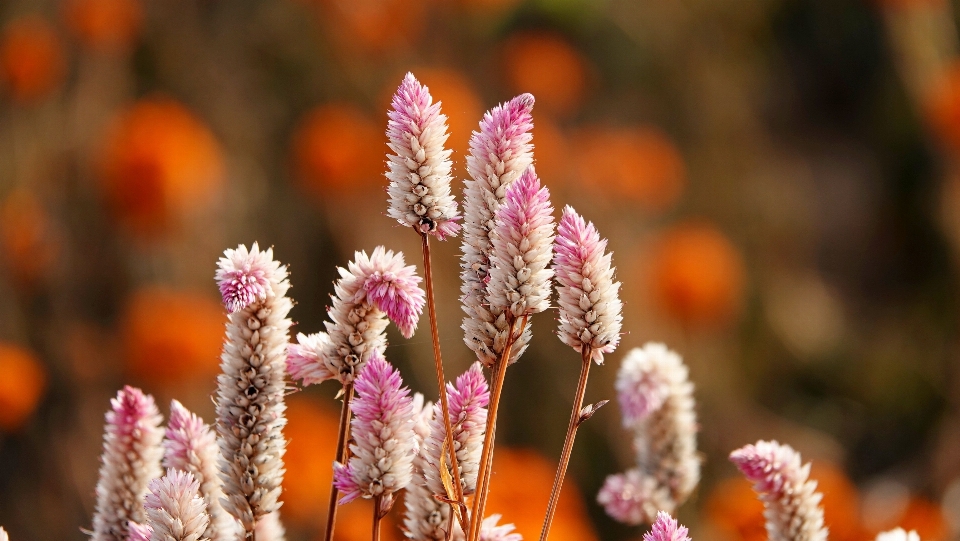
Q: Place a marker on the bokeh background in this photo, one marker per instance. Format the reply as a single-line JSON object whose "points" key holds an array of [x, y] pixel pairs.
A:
{"points": [[779, 180]]}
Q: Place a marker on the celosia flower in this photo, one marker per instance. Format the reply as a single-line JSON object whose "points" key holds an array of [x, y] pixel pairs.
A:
{"points": [[137, 532], [382, 427], [896, 534], [656, 397], [590, 308], [175, 509], [666, 528], [490, 531], [468, 419], [792, 505], [425, 518], [370, 290], [243, 276], [130, 459], [270, 528], [499, 153], [250, 390], [190, 446], [3, 535], [420, 170]]}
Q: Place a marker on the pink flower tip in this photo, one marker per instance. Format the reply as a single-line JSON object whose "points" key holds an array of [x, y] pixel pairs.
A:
{"points": [[305, 359], [130, 407], [392, 287], [666, 528], [244, 276], [139, 532], [343, 479]]}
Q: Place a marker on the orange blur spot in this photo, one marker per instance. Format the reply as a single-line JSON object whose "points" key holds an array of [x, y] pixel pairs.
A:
{"points": [[31, 58], [172, 336], [355, 522], [158, 161], [338, 149], [21, 387], [26, 237], [311, 434], [548, 67], [640, 163], [373, 26], [697, 275], [550, 150], [104, 24]]}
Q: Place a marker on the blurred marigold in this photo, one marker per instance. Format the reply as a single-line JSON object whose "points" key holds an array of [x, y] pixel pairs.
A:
{"points": [[548, 67], [734, 509], [639, 163], [31, 58], [172, 336], [21, 386], [338, 149], [104, 24], [309, 460], [550, 151], [158, 161], [697, 275], [26, 237], [521, 482], [461, 104], [374, 26]]}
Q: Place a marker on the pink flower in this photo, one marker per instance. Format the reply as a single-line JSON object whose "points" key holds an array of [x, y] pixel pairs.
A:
{"points": [[130, 459], [792, 505], [468, 418], [175, 509], [632, 497], [499, 153], [490, 531], [305, 359], [383, 429], [393, 288], [590, 308], [245, 276], [137, 532], [419, 172], [666, 528]]}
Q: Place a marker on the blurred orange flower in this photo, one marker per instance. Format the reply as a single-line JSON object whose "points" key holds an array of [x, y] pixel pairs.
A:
{"points": [[158, 160], [31, 58], [104, 24], [923, 516], [311, 434], [639, 163], [461, 104], [172, 336], [339, 149], [355, 522], [550, 150], [519, 489], [548, 67], [374, 26], [697, 275], [26, 237], [21, 386]]}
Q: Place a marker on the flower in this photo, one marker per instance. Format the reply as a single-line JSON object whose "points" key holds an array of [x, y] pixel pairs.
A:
{"points": [[137, 532], [632, 497], [419, 172], [792, 504], [547, 66], [21, 387], [898, 534], [269, 528], [590, 307], [31, 58], [371, 289], [175, 509], [108, 25], [425, 518], [490, 531], [383, 430], [666, 528], [250, 405], [499, 153], [130, 459], [468, 420], [190, 446]]}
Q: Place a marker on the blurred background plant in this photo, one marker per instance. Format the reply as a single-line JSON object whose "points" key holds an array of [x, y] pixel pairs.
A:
{"points": [[779, 180]]}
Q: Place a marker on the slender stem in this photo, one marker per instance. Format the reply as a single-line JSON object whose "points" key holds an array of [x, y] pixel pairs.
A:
{"points": [[376, 518], [450, 523], [342, 438], [441, 380], [568, 443]]}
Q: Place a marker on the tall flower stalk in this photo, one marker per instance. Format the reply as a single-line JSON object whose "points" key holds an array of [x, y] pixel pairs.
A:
{"points": [[175, 509], [590, 317], [250, 405], [420, 197]]}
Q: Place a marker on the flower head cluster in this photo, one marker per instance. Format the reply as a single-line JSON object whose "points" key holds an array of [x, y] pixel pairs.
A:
{"points": [[175, 509], [419, 171], [370, 290], [590, 308], [250, 405], [137, 532], [656, 398], [666, 528], [383, 430], [468, 419], [499, 153], [130, 459], [190, 446], [490, 531], [425, 518], [898, 534], [243, 276], [791, 503]]}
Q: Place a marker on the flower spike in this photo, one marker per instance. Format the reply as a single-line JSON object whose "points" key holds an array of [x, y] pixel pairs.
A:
{"points": [[666, 528], [175, 509]]}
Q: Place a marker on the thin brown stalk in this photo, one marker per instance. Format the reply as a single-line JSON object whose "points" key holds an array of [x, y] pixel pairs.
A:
{"points": [[342, 438], [441, 380], [377, 515], [568, 443]]}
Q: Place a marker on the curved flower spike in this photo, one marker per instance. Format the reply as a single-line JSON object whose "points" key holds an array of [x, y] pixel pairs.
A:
{"points": [[666, 528], [175, 509], [244, 276]]}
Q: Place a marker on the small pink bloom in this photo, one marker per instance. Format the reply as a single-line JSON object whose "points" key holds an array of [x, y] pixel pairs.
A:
{"points": [[666, 528], [137, 532], [245, 276], [631, 497], [305, 360], [175, 509], [392, 287]]}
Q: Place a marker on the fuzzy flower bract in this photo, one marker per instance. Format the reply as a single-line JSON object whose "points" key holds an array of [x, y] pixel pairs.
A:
{"points": [[666, 528], [175, 509]]}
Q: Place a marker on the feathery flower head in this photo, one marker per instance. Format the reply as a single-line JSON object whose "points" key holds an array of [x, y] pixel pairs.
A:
{"points": [[468, 402], [137, 532], [792, 505], [245, 276], [643, 384], [490, 531], [631, 497], [666, 528], [175, 509], [425, 518], [130, 459], [305, 359], [250, 391], [590, 307], [383, 430], [392, 288], [898, 534], [270, 528], [419, 172]]}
